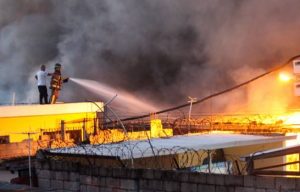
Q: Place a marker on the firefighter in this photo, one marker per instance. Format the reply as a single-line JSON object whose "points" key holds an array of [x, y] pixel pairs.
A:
{"points": [[56, 83]]}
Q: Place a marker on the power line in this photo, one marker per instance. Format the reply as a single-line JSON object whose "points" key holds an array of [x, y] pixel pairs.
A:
{"points": [[217, 94]]}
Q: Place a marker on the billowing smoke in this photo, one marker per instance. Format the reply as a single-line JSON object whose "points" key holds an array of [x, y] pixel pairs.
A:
{"points": [[162, 50]]}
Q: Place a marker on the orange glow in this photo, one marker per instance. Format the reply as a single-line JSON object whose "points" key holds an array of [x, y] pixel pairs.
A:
{"points": [[115, 135], [293, 119], [285, 77], [292, 157]]}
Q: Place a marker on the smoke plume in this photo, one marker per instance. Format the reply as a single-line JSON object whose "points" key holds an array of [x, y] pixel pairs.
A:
{"points": [[161, 50]]}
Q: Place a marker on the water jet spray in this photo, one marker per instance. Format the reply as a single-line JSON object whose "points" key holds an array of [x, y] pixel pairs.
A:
{"points": [[126, 100]]}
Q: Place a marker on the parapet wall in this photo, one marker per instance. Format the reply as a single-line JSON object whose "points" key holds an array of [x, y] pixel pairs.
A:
{"points": [[65, 176]]}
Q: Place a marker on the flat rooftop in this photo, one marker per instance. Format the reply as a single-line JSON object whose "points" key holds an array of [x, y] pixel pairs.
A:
{"points": [[165, 146], [49, 109]]}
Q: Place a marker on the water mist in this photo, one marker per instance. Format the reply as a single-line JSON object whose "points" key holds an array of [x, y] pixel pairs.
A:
{"points": [[124, 100]]}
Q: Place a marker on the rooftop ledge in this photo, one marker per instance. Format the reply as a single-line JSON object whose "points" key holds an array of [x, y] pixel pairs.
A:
{"points": [[49, 109]]}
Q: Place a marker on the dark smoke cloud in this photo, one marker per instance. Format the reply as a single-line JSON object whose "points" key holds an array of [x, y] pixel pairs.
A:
{"points": [[164, 50]]}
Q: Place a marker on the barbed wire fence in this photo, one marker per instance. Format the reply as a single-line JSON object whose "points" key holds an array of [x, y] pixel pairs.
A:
{"points": [[142, 154]]}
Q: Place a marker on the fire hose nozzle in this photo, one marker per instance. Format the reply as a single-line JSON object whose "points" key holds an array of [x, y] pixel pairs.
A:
{"points": [[66, 80]]}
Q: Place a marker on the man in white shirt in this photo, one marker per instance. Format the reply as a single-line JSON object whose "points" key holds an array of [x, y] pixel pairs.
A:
{"points": [[41, 77]]}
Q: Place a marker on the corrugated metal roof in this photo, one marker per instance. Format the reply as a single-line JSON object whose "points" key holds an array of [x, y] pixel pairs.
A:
{"points": [[163, 146]]}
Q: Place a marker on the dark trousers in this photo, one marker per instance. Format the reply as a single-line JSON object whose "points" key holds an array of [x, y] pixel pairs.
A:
{"points": [[43, 94]]}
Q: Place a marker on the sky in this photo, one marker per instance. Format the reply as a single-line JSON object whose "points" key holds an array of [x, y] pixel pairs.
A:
{"points": [[161, 51]]}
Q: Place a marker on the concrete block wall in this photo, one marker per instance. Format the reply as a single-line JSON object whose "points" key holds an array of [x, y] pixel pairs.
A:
{"points": [[20, 149], [65, 176]]}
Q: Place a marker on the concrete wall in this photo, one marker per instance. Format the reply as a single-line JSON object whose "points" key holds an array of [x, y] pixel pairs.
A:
{"points": [[62, 176], [21, 149]]}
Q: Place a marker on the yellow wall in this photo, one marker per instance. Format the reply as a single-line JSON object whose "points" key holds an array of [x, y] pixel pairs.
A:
{"points": [[15, 126], [36, 119], [16, 121], [237, 152], [117, 135]]}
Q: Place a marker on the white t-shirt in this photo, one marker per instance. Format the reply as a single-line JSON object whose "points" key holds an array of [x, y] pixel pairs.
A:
{"points": [[41, 77]]}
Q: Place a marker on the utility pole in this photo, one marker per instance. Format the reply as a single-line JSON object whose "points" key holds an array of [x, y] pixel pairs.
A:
{"points": [[29, 155], [191, 101], [209, 161], [29, 159]]}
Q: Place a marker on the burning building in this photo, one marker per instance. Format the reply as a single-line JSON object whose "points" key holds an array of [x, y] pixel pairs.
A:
{"points": [[159, 50]]}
